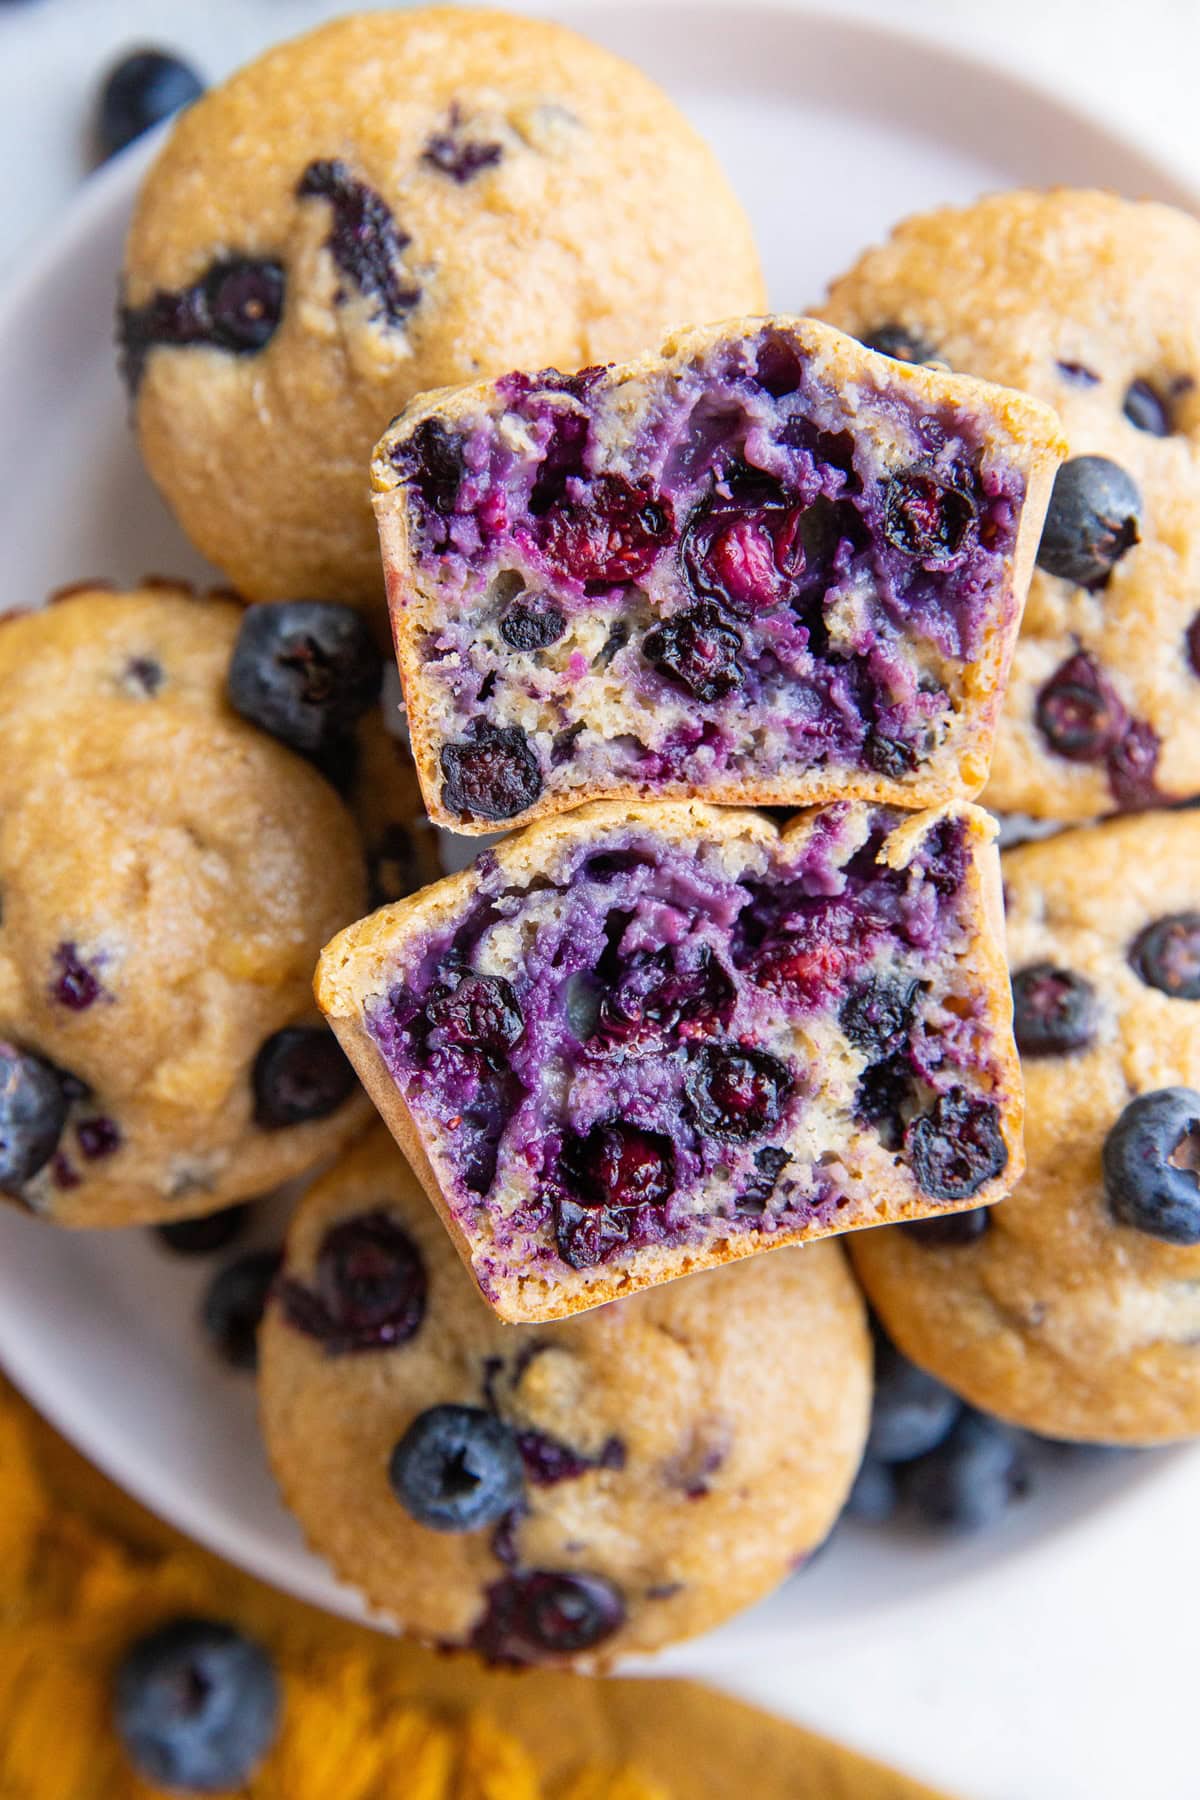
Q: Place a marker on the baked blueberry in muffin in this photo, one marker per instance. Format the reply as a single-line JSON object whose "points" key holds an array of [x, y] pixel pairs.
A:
{"points": [[763, 566], [564, 1493], [632, 1042]]}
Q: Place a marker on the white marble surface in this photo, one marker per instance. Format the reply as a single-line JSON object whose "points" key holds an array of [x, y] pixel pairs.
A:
{"points": [[1074, 1682]]}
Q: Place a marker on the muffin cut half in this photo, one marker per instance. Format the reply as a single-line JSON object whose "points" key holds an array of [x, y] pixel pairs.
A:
{"points": [[638, 1041], [766, 565]]}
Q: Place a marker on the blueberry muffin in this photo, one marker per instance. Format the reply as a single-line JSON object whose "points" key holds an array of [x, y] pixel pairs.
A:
{"points": [[763, 565], [1092, 303], [567, 1493], [396, 201], [633, 1042], [1074, 1308], [168, 873]]}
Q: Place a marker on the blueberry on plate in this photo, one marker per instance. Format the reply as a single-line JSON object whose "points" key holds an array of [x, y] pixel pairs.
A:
{"points": [[874, 1496], [33, 1111], [1151, 1162], [911, 1412], [968, 1482], [300, 1074], [234, 1305], [1093, 518], [139, 91], [457, 1468], [306, 671], [202, 1236], [196, 1706]]}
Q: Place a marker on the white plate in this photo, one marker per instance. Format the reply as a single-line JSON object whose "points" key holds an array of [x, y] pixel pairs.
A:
{"points": [[831, 131]]}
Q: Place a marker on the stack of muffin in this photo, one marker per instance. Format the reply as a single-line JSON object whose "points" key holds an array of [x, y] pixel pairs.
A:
{"points": [[655, 1032]]}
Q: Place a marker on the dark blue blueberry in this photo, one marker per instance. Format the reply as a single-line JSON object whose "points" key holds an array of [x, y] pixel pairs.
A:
{"points": [[432, 459], [901, 344], [493, 774], [365, 242], [197, 1706], [306, 671], [532, 623], [548, 1460], [457, 1468], [696, 651], [889, 756], [98, 1137], [143, 88], [1151, 1159], [236, 306], [1079, 712], [877, 1015], [911, 1412], [736, 1092], [544, 1614], [969, 1481], [300, 1074], [1146, 409], [873, 1497], [368, 1291], [1167, 955], [951, 1231], [203, 1236], [1054, 1010], [76, 985], [33, 1112], [234, 1304], [451, 153], [1093, 519], [925, 517], [957, 1146], [478, 1012], [619, 1165]]}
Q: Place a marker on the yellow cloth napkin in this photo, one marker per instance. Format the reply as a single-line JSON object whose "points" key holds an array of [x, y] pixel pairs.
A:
{"points": [[84, 1570]]}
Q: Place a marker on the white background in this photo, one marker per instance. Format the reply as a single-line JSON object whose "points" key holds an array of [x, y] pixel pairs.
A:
{"points": [[1085, 1665]]}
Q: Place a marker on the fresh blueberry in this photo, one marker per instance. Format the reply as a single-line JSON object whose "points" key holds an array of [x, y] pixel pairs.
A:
{"points": [[197, 1706], [299, 1075], [911, 1412], [203, 1236], [697, 651], [925, 517], [737, 1092], [1167, 955], [1146, 409], [457, 1468], [1079, 712], [1054, 1010], [952, 1231], [969, 1481], [369, 1288], [898, 342], [306, 671], [365, 241], [143, 88], [234, 1305], [1151, 1163], [542, 1614], [957, 1146], [1093, 519], [873, 1498], [493, 774], [618, 1165], [33, 1112]]}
